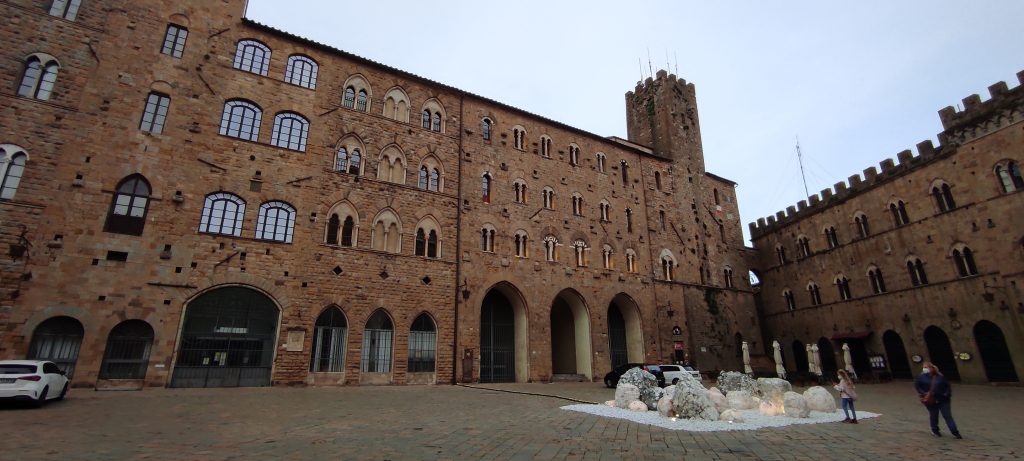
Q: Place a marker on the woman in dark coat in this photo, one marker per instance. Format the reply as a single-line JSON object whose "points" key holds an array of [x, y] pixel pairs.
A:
{"points": [[932, 381]]}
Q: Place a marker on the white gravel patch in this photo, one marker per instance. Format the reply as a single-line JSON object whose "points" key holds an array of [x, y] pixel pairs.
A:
{"points": [[753, 419]]}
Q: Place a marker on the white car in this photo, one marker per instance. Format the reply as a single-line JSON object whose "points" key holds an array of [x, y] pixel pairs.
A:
{"points": [[32, 380], [673, 373]]}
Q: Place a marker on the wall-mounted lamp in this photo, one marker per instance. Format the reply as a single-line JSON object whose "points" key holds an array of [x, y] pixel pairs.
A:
{"points": [[465, 290]]}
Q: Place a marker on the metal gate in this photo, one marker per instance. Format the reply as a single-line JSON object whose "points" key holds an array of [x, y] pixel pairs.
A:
{"points": [[617, 337], [227, 340], [497, 340]]}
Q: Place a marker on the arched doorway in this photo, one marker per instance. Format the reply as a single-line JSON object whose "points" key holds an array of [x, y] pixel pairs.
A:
{"points": [[940, 352], [58, 339], [503, 338], [570, 335], [329, 340], [625, 337], [378, 340], [897, 355], [828, 358], [127, 352], [800, 357], [227, 339], [994, 353]]}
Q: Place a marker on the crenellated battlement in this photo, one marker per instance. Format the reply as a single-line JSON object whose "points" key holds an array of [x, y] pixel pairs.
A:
{"points": [[661, 77], [1004, 107]]}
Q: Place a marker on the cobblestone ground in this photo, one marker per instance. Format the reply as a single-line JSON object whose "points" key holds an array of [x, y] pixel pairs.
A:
{"points": [[459, 423]]}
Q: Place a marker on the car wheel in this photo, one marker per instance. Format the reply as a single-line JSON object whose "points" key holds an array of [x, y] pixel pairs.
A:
{"points": [[42, 397], [63, 392]]}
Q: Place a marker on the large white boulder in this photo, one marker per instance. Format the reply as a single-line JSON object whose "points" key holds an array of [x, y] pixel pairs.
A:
{"points": [[650, 393], [820, 399], [772, 389], [729, 381], [717, 398], [733, 416], [740, 400], [665, 407], [625, 393], [637, 406], [769, 409], [690, 401], [795, 405]]}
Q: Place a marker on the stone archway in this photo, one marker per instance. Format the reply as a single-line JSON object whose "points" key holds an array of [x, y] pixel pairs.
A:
{"points": [[897, 355], [940, 352], [828, 358], [625, 335], [570, 335], [58, 340], [995, 356], [503, 335], [800, 357]]}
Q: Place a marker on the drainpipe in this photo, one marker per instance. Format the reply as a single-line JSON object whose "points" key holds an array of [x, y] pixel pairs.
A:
{"points": [[458, 244]]}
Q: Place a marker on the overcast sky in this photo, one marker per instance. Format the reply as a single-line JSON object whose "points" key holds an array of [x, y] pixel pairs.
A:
{"points": [[857, 82]]}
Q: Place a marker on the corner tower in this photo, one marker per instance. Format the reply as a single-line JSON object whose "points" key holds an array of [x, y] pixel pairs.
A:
{"points": [[662, 113]]}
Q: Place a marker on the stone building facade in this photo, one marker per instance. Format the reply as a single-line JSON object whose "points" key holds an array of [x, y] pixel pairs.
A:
{"points": [[191, 198], [919, 259]]}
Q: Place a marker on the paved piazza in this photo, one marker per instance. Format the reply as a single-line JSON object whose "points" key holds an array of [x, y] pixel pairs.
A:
{"points": [[458, 423]]}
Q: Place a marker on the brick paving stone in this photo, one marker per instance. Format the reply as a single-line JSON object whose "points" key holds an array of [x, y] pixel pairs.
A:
{"points": [[458, 423]]}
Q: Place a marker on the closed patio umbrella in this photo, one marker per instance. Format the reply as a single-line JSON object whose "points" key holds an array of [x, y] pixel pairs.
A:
{"points": [[848, 361], [779, 368], [810, 360], [817, 360], [746, 359]]}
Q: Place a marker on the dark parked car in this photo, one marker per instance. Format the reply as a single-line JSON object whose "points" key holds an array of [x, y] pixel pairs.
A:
{"points": [[612, 378]]}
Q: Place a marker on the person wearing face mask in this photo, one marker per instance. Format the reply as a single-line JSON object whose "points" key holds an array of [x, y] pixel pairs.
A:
{"points": [[935, 393]]}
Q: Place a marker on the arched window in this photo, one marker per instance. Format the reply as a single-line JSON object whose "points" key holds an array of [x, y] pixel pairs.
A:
{"points": [[423, 181], [574, 155], [127, 352], [805, 246], [668, 265], [577, 204], [252, 56], [433, 116], [349, 100], [39, 77], [58, 339], [661, 217], [606, 257], [780, 252], [1009, 176], [362, 101], [128, 209], [601, 160], [625, 172], [391, 166], [486, 129], [333, 226], [222, 214], [290, 131], [430, 176], [899, 213], [342, 225], [12, 167], [963, 258], [814, 292], [301, 71], [67, 9], [843, 285], [861, 221], [275, 222], [550, 248], [657, 184], [520, 241], [727, 276], [605, 211], [426, 239], [790, 300], [876, 279], [155, 113], [486, 188], [580, 250], [396, 105], [377, 339], [519, 190], [717, 202], [329, 339], [387, 233], [421, 243], [347, 162], [174, 41], [518, 138], [629, 220], [831, 237], [487, 238], [916, 270], [422, 344], [548, 194], [943, 197], [545, 146], [241, 119], [426, 119], [348, 232], [631, 261]]}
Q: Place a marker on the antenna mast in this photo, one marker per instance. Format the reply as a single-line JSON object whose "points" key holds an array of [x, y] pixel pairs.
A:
{"points": [[800, 159]]}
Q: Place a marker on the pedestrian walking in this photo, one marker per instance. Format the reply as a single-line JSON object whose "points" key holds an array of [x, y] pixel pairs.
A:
{"points": [[848, 393], [935, 394]]}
